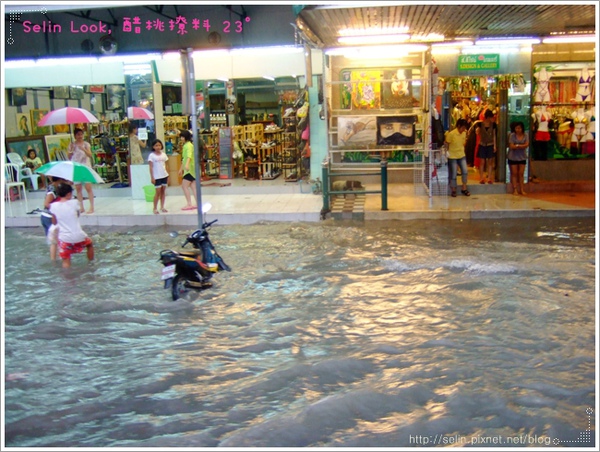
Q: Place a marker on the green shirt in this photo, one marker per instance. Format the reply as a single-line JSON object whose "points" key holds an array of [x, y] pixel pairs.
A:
{"points": [[188, 153]]}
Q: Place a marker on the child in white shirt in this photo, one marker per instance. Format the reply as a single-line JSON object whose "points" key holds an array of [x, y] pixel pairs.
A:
{"points": [[158, 174], [71, 238]]}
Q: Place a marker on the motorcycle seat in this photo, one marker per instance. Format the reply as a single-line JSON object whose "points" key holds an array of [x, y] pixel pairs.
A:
{"points": [[192, 253]]}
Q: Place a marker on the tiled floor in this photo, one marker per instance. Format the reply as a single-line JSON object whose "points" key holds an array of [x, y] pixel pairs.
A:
{"points": [[239, 201]]}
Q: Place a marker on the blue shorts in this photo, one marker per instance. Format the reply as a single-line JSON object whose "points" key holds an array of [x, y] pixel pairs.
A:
{"points": [[486, 152], [160, 182], [46, 223]]}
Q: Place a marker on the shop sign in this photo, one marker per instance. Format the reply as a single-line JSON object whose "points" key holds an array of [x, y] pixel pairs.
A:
{"points": [[489, 61]]}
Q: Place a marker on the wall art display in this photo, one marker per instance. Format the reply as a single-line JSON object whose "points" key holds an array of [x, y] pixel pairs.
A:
{"points": [[346, 90], [61, 128], [57, 146], [61, 92], [396, 130], [366, 89], [18, 97], [22, 145], [357, 131], [114, 95], [36, 116], [24, 125], [76, 92], [398, 91]]}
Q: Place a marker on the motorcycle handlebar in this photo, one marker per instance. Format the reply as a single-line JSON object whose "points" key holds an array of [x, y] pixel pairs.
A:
{"points": [[206, 225]]}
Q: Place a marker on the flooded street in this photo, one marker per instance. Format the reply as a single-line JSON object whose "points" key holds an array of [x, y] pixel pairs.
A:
{"points": [[384, 334]]}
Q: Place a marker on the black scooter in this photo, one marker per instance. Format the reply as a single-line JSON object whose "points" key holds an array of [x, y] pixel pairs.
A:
{"points": [[192, 270]]}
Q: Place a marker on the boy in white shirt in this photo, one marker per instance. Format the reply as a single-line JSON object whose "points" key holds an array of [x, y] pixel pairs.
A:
{"points": [[71, 238]]}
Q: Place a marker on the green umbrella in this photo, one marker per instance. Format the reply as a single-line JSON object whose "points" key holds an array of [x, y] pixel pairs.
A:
{"points": [[72, 171]]}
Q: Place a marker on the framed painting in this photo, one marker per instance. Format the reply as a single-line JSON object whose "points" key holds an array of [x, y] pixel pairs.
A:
{"points": [[57, 146], [346, 90], [396, 130], [22, 145], [61, 92], [61, 128], [366, 89], [357, 131], [36, 116], [114, 97], [397, 89], [76, 92], [18, 97], [23, 125]]}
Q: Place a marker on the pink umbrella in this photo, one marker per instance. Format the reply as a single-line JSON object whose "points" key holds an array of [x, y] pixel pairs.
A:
{"points": [[67, 115], [139, 113]]}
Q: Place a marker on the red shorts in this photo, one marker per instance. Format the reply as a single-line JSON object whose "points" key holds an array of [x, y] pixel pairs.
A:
{"points": [[65, 250]]}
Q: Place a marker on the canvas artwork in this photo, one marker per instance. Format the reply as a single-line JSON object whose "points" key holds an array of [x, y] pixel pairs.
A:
{"points": [[22, 145], [61, 92], [397, 90], [357, 131], [61, 128], [24, 125], [57, 146], [18, 97], [396, 130], [76, 92], [36, 116], [114, 96], [366, 89], [346, 90]]}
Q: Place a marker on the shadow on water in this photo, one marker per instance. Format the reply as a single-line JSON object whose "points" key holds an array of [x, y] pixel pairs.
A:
{"points": [[390, 334]]}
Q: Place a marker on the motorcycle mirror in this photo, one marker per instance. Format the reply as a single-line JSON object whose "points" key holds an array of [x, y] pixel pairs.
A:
{"points": [[174, 234], [206, 207]]}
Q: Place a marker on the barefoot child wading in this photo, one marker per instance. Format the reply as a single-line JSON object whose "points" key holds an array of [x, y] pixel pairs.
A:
{"points": [[71, 238]]}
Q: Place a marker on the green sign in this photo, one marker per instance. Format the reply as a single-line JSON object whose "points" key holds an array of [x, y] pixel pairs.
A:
{"points": [[490, 61]]}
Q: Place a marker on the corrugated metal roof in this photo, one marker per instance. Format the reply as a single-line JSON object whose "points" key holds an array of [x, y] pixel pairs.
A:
{"points": [[452, 20]]}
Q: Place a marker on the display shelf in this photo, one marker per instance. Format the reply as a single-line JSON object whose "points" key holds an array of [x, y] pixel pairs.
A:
{"points": [[211, 161], [290, 159]]}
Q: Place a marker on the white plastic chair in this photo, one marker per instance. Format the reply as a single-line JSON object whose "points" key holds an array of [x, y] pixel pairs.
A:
{"points": [[26, 173], [13, 179]]}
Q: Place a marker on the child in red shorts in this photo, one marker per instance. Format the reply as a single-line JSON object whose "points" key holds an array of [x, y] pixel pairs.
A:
{"points": [[71, 238]]}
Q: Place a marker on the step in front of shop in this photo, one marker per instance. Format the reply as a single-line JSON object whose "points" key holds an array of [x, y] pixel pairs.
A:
{"points": [[348, 207]]}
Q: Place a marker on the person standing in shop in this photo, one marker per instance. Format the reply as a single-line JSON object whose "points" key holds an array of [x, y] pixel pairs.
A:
{"points": [[158, 174], [487, 147], [517, 156], [135, 145], [80, 151], [188, 170], [455, 143]]}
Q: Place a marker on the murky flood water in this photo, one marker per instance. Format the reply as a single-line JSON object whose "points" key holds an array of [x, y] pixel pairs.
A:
{"points": [[386, 334]]}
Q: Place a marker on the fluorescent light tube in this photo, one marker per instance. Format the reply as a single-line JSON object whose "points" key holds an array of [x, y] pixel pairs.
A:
{"points": [[508, 41], [569, 39], [374, 39]]}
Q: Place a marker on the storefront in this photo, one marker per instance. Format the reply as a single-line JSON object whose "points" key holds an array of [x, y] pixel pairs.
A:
{"points": [[229, 91], [366, 95]]}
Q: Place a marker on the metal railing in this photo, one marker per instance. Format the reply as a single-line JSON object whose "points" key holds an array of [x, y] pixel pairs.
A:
{"points": [[327, 174]]}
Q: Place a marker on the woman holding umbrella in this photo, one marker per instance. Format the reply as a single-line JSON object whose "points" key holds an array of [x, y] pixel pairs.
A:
{"points": [[80, 151]]}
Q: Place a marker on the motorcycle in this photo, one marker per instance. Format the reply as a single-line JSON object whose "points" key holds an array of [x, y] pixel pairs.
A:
{"points": [[192, 270]]}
